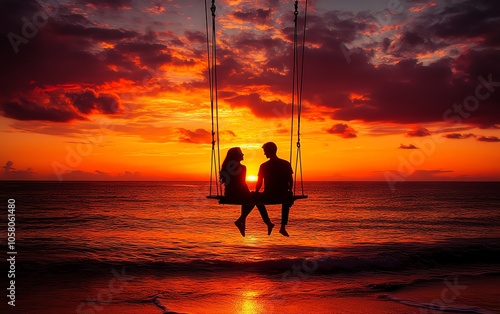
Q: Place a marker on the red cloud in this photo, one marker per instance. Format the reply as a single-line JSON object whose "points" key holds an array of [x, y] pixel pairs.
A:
{"points": [[343, 130], [409, 146], [491, 139], [259, 16], [458, 136], [198, 136], [259, 107], [418, 132], [88, 101]]}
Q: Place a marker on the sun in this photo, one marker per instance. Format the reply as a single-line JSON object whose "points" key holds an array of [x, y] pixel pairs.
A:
{"points": [[251, 178]]}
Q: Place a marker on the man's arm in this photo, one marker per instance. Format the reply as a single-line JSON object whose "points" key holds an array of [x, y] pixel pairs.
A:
{"points": [[290, 177], [258, 185], [260, 179]]}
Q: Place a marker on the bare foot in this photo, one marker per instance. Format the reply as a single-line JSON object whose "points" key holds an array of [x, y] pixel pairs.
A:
{"points": [[241, 226], [283, 232], [270, 227]]}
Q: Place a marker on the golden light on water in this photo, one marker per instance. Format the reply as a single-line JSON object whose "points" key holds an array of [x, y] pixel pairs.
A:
{"points": [[249, 304]]}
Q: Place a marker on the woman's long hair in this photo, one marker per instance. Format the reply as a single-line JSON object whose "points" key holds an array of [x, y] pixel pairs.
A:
{"points": [[229, 164]]}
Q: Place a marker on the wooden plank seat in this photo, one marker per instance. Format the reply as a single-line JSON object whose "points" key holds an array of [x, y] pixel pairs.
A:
{"points": [[289, 200]]}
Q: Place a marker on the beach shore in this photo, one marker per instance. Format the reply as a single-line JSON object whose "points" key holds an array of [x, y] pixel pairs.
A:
{"points": [[243, 293]]}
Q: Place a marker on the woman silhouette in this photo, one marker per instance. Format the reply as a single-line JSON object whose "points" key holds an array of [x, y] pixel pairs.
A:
{"points": [[233, 176]]}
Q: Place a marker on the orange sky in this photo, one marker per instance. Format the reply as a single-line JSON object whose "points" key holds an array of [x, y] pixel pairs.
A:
{"points": [[119, 91]]}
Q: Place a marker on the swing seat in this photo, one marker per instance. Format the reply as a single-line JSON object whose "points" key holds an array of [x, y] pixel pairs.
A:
{"points": [[289, 200]]}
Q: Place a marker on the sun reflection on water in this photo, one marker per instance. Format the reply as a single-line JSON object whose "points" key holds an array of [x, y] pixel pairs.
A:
{"points": [[249, 303]]}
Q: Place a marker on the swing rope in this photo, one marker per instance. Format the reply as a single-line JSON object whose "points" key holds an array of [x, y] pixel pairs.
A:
{"points": [[212, 80], [297, 87]]}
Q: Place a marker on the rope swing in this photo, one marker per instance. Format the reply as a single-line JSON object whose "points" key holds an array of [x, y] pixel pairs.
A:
{"points": [[298, 78], [296, 101], [212, 81]]}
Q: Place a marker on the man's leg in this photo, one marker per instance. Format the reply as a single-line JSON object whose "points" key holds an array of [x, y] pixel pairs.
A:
{"points": [[263, 213], [285, 211], [265, 216]]}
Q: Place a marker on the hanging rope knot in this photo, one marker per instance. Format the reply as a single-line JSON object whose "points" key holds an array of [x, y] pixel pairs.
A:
{"points": [[296, 12], [213, 8], [298, 144]]}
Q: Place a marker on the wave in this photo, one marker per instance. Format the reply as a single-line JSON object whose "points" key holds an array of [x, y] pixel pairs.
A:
{"points": [[158, 303], [386, 257], [456, 308]]}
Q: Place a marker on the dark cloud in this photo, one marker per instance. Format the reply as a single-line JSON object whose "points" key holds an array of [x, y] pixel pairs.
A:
{"points": [[343, 130], [48, 76], [198, 136], [418, 132], [428, 175], [195, 36], [489, 126], [11, 173], [403, 92], [476, 19], [107, 4], [259, 16], [88, 101], [150, 54], [102, 34], [346, 73], [24, 109], [60, 107], [250, 42], [458, 136], [8, 166], [406, 91], [412, 39], [409, 146], [74, 25], [260, 108], [491, 139]]}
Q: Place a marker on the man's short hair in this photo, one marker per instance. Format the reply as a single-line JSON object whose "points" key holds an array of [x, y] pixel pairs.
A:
{"points": [[270, 147]]}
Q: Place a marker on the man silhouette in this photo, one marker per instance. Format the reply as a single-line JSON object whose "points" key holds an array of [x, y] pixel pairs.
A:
{"points": [[276, 174]]}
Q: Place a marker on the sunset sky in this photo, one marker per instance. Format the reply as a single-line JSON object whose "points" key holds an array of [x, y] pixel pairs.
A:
{"points": [[117, 89]]}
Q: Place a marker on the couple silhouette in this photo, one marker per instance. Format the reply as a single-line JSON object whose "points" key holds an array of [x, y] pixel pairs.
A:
{"points": [[276, 176]]}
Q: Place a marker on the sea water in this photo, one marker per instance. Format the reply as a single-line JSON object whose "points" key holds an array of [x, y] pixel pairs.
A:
{"points": [[162, 247]]}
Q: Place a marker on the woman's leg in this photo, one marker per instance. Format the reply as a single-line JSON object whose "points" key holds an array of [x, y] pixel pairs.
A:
{"points": [[245, 211], [240, 222]]}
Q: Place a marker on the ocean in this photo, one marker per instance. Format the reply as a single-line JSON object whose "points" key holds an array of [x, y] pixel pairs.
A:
{"points": [[162, 247]]}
